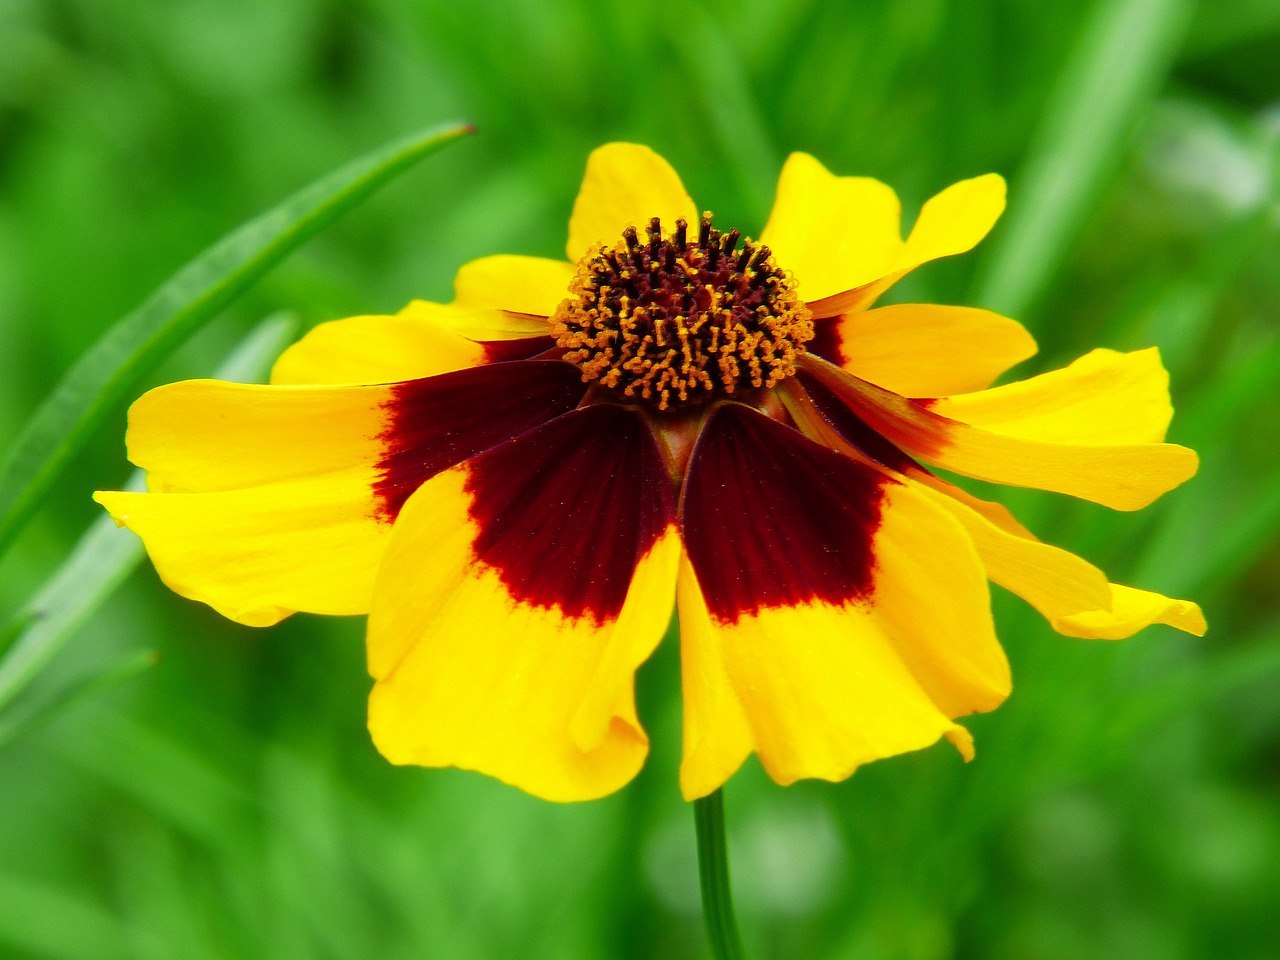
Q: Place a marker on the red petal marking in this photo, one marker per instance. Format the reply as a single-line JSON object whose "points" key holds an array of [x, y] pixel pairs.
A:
{"points": [[566, 512], [826, 341], [906, 423], [437, 422], [523, 348], [852, 427], [772, 519]]}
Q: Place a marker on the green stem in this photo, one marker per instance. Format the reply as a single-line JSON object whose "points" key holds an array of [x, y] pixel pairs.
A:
{"points": [[713, 871]]}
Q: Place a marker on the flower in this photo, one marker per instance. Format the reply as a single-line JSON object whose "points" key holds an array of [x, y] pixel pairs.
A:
{"points": [[516, 485]]}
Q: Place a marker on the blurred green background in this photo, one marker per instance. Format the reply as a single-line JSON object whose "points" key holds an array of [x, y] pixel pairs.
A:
{"points": [[226, 803]]}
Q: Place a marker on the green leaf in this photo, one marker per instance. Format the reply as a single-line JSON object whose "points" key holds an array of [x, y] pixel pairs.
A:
{"points": [[113, 366], [106, 554]]}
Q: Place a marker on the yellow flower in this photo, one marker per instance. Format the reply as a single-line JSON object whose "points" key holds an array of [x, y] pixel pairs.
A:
{"points": [[516, 485]]}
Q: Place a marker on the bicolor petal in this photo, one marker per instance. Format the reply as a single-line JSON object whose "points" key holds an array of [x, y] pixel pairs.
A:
{"points": [[833, 233], [625, 185], [269, 500], [551, 574], [829, 615], [923, 350], [1123, 476], [422, 340]]}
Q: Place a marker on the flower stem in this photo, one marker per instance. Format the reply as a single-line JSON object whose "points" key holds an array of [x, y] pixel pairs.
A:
{"points": [[713, 871]]}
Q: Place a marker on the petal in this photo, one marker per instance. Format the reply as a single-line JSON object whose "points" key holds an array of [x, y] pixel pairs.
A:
{"points": [[833, 233], [1054, 581], [1103, 397], [268, 500], [952, 222], [207, 435], [525, 285], [1131, 610], [518, 595], [1073, 595], [625, 184], [260, 554], [435, 423], [829, 615], [1123, 476], [922, 350], [422, 340]]}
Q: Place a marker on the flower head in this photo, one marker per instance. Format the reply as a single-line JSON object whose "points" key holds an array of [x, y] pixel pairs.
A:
{"points": [[517, 485]]}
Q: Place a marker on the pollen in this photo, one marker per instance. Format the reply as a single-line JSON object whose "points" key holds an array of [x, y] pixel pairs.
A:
{"points": [[676, 320]]}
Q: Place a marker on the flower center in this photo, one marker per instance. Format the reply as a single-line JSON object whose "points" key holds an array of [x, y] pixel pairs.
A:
{"points": [[677, 321]]}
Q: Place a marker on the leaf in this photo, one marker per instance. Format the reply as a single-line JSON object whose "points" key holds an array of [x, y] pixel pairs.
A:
{"points": [[105, 374], [106, 554]]}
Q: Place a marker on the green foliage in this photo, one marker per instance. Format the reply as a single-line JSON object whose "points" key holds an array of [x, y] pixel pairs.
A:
{"points": [[226, 802]]}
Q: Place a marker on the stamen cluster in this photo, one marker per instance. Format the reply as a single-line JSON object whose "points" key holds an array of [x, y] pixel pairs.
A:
{"points": [[678, 320]]}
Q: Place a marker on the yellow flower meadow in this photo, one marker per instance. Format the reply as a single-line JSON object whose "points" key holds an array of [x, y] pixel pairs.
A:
{"points": [[516, 486]]}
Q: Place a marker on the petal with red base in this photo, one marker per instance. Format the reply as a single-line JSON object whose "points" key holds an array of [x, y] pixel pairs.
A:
{"points": [[269, 500], [518, 595], [829, 614], [1037, 451]]}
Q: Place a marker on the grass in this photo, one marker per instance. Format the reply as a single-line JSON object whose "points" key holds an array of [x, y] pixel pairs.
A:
{"points": [[227, 803]]}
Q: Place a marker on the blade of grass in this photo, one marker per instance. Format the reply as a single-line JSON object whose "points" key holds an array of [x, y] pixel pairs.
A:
{"points": [[1119, 60], [103, 376], [106, 554]]}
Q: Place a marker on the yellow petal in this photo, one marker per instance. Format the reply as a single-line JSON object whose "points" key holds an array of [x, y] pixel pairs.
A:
{"points": [[525, 285], [479, 324], [717, 737], [263, 498], [377, 349], [625, 184], [833, 233], [1054, 581], [507, 626], [922, 350], [1103, 397], [950, 223], [1122, 476], [205, 435], [1073, 595], [1131, 610], [954, 221], [260, 554]]}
